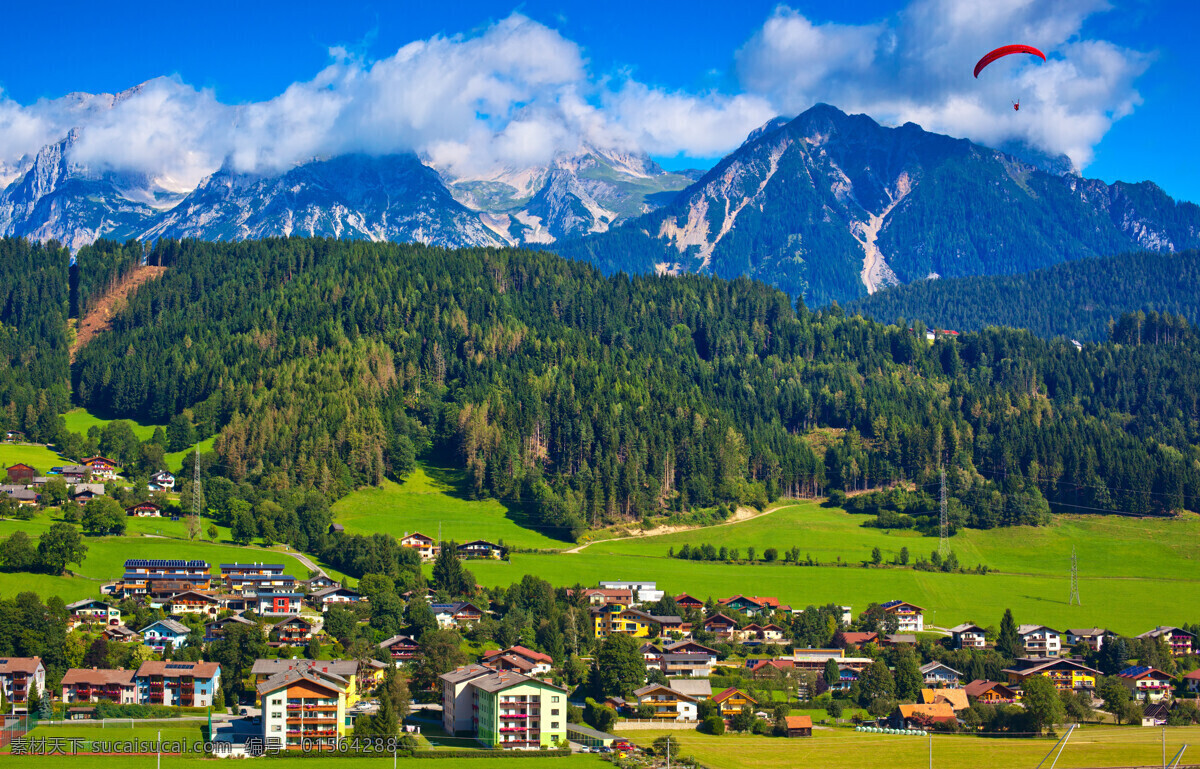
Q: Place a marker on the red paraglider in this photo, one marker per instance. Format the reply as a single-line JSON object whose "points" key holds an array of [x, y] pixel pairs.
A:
{"points": [[1006, 50]]}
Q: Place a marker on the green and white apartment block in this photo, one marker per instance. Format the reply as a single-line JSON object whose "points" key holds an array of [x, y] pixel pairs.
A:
{"points": [[503, 709]]}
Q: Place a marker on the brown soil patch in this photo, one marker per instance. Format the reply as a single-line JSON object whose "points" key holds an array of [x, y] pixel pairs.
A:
{"points": [[99, 319]]}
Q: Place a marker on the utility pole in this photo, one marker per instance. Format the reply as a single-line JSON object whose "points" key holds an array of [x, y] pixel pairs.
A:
{"points": [[194, 524], [1074, 598], [944, 520], [930, 750]]}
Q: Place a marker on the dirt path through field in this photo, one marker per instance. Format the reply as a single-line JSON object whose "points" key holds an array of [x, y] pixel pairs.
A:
{"points": [[742, 515], [99, 318]]}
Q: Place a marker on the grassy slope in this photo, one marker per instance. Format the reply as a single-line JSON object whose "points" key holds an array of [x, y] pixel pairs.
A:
{"points": [[36, 456], [431, 497], [1133, 574], [80, 420], [845, 749]]}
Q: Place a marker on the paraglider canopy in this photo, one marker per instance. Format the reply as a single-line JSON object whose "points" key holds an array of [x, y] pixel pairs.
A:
{"points": [[1006, 50]]}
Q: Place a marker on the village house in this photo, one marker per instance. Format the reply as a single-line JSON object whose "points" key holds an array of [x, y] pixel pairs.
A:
{"points": [[599, 596], [163, 633], [303, 707], [910, 616], [615, 618], [844, 638], [82, 493], [18, 677], [669, 704], [898, 639], [356, 679], [21, 474], [814, 660], [99, 685], [762, 633], [686, 665], [1065, 674], [956, 698], [161, 481], [1040, 641], [122, 634], [322, 599], [768, 668], [720, 625], [1192, 680], [918, 716], [402, 647], [1179, 641], [480, 548], [685, 601], [1146, 684], [1094, 637], [753, 606], [691, 647], [650, 653], [255, 569], [731, 701], [1156, 714], [460, 614], [798, 726], [319, 582], [170, 569], [990, 692], [21, 495], [294, 630], [192, 602], [518, 658], [938, 674], [272, 604], [503, 709], [216, 629], [92, 610], [643, 592], [144, 510], [174, 682], [249, 584], [425, 546], [101, 467], [74, 474]]}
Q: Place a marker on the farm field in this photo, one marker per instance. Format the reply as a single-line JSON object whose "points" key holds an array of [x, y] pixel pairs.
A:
{"points": [[846, 749], [432, 497]]}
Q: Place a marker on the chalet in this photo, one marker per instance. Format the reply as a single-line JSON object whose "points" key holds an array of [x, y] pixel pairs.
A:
{"points": [[731, 702], [911, 617], [21, 495], [101, 467], [163, 633], [18, 677], [719, 624], [75, 474], [158, 593], [457, 614], [122, 634], [93, 610], [86, 492], [535, 663], [511, 663], [685, 601], [645, 592], [847, 677], [798, 726], [1192, 680], [762, 633], [814, 659], [967, 636], [691, 647], [99, 685], [650, 652], [1156, 714], [770, 668], [161, 481], [277, 604], [356, 679], [144, 510], [1094, 637], [956, 698], [192, 602], [302, 709], [294, 630], [14, 436], [686, 665], [402, 647], [216, 629], [753, 606], [599, 596], [615, 618], [1179, 641], [425, 546], [844, 638], [992, 692], [898, 639], [1065, 674], [1146, 684], [21, 473], [669, 623], [319, 582], [480, 548], [938, 674], [668, 704], [326, 597], [1040, 641], [918, 716], [174, 682]]}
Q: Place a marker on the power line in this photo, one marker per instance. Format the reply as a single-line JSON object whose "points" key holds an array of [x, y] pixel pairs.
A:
{"points": [[1074, 599], [944, 520]]}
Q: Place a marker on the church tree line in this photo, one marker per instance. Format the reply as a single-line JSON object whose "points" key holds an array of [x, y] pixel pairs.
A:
{"points": [[328, 365]]}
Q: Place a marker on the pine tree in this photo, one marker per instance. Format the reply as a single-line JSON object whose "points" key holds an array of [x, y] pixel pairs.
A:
{"points": [[1008, 642]]}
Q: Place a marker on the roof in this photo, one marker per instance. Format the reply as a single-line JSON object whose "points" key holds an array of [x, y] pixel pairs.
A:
{"points": [[889, 605], [1050, 663], [639, 693], [499, 680], [19, 664], [1027, 629], [588, 731], [696, 688], [98, 676], [173, 668], [721, 697], [691, 644], [416, 535], [719, 616], [1193, 676], [271, 566], [409, 640], [175, 627], [900, 638], [231, 618], [289, 677], [88, 602], [976, 688], [337, 668], [1165, 630], [858, 638], [465, 673], [778, 664], [1143, 671], [799, 722], [1156, 710], [957, 698], [686, 657], [146, 563], [480, 542], [931, 666], [939, 711], [520, 651], [1091, 632], [293, 618]]}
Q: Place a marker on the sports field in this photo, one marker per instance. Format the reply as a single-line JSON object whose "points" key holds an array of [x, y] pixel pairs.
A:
{"points": [[846, 749], [433, 497], [1134, 574]]}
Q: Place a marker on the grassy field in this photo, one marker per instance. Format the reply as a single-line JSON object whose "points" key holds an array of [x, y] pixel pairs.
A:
{"points": [[433, 497], [187, 733], [845, 749], [36, 456], [80, 420], [86, 761], [1133, 574]]}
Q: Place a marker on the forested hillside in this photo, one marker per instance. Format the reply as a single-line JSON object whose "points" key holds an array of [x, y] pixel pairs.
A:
{"points": [[1078, 300], [329, 365]]}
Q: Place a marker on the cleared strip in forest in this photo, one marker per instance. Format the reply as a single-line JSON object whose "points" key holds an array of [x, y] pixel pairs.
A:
{"points": [[99, 318]]}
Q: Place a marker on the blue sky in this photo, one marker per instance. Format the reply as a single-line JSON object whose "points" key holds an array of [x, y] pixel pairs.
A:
{"points": [[725, 58]]}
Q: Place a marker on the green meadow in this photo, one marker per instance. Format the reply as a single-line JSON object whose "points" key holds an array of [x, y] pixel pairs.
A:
{"points": [[80, 420], [1134, 574], [34, 455], [434, 497], [846, 749]]}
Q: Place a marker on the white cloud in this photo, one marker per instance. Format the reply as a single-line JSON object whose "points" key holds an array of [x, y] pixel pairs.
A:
{"points": [[517, 92], [916, 66]]}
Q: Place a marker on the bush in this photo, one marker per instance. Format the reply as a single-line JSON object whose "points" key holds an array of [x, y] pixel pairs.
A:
{"points": [[714, 725]]}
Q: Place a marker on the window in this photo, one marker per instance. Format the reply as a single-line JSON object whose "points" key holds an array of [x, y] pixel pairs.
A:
{"points": [[277, 728], [276, 714], [553, 724], [554, 712], [554, 698]]}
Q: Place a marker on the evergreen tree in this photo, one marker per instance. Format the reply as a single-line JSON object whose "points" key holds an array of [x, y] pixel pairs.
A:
{"points": [[1008, 642]]}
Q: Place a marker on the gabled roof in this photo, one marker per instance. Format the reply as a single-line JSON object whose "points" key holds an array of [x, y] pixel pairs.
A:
{"points": [[858, 639], [1051, 663], [293, 618], [520, 651], [689, 598], [97, 677], [338, 669], [798, 722], [1091, 632], [977, 688], [332, 590], [639, 693], [929, 667], [417, 535], [88, 602], [1027, 629], [1138, 672], [173, 669], [169, 624], [289, 677], [20, 664], [696, 688], [691, 645], [896, 604], [390, 642], [939, 711], [1165, 630], [730, 692], [957, 698], [777, 664], [720, 616], [454, 608]]}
